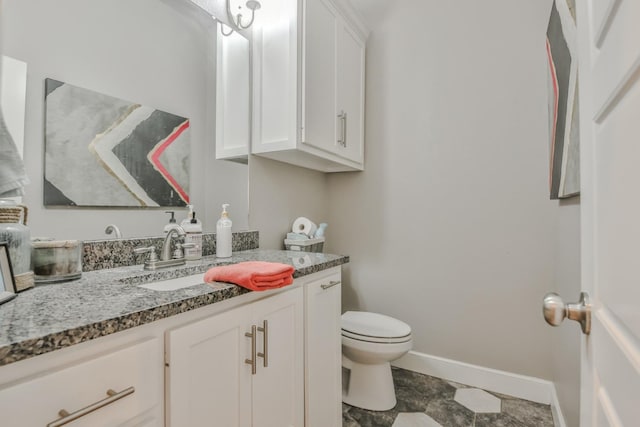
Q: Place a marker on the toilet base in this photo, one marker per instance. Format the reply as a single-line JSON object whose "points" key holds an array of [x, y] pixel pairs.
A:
{"points": [[370, 386]]}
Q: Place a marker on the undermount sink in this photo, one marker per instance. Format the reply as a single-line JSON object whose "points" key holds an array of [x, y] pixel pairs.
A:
{"points": [[175, 284]]}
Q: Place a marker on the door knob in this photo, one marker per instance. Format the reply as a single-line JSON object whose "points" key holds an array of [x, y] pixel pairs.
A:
{"points": [[555, 310]]}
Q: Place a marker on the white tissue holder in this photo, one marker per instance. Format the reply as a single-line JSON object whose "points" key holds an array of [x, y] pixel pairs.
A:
{"points": [[310, 245]]}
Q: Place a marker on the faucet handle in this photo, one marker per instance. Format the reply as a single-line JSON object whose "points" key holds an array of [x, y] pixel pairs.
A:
{"points": [[179, 253], [151, 250]]}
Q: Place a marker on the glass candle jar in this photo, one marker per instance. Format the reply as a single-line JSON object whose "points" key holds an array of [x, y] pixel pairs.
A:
{"points": [[14, 231]]}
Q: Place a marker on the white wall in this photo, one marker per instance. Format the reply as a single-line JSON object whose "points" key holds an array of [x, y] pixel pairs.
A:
{"points": [[279, 194], [159, 53], [450, 227]]}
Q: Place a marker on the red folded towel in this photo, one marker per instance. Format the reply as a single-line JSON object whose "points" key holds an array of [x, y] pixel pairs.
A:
{"points": [[254, 275]]}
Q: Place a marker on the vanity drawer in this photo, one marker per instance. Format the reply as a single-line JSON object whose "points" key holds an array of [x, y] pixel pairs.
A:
{"points": [[134, 373]]}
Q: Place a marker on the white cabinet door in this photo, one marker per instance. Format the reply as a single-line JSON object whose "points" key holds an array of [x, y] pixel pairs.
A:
{"points": [[350, 92], [278, 386], [207, 380], [210, 383], [233, 108], [323, 352], [609, 59], [319, 75], [333, 74], [133, 373]]}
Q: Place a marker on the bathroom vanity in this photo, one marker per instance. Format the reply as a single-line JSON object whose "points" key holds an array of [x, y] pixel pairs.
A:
{"points": [[110, 352]]}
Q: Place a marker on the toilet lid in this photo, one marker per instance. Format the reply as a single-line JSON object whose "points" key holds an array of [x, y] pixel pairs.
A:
{"points": [[374, 325]]}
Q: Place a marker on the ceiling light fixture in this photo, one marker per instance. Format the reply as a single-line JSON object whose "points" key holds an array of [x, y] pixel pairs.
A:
{"points": [[236, 21]]}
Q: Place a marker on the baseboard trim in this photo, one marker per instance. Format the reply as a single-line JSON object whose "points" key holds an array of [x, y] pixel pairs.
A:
{"points": [[556, 411], [520, 386]]}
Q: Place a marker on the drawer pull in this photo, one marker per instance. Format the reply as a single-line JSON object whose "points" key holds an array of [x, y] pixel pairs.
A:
{"points": [[252, 361], [331, 284], [265, 343], [112, 396]]}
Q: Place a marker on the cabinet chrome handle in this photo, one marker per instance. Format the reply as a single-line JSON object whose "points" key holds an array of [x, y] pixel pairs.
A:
{"points": [[252, 361], [343, 129], [112, 396], [265, 343], [331, 284]]}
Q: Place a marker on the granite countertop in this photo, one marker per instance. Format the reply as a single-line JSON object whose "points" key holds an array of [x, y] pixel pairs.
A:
{"points": [[102, 302]]}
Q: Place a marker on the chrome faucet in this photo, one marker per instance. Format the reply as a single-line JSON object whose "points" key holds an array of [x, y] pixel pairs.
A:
{"points": [[172, 229], [166, 260]]}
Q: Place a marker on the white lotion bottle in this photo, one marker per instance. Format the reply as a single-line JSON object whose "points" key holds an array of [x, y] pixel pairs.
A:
{"points": [[223, 234], [193, 230]]}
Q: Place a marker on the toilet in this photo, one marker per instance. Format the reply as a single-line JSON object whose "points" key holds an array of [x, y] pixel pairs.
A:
{"points": [[370, 341]]}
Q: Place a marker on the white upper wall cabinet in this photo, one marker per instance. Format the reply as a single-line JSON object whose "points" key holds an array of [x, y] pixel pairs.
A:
{"points": [[308, 106]]}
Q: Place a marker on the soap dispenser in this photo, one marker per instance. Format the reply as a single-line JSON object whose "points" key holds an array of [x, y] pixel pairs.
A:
{"points": [[171, 222], [193, 230], [223, 234]]}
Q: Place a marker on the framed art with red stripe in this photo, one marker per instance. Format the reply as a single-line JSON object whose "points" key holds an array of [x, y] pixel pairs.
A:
{"points": [[564, 135], [101, 151]]}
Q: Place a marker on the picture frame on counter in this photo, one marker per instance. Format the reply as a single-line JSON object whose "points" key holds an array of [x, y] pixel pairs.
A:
{"points": [[7, 281]]}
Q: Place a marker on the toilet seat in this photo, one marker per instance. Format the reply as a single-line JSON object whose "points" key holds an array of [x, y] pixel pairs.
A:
{"points": [[377, 340], [374, 327]]}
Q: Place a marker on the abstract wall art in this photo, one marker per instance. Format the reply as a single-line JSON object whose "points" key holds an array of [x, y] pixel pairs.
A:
{"points": [[102, 151], [564, 135]]}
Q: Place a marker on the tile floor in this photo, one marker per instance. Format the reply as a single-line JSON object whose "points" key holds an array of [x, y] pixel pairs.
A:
{"points": [[425, 401]]}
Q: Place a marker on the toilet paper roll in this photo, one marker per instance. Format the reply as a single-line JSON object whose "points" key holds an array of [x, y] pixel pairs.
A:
{"points": [[304, 225]]}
